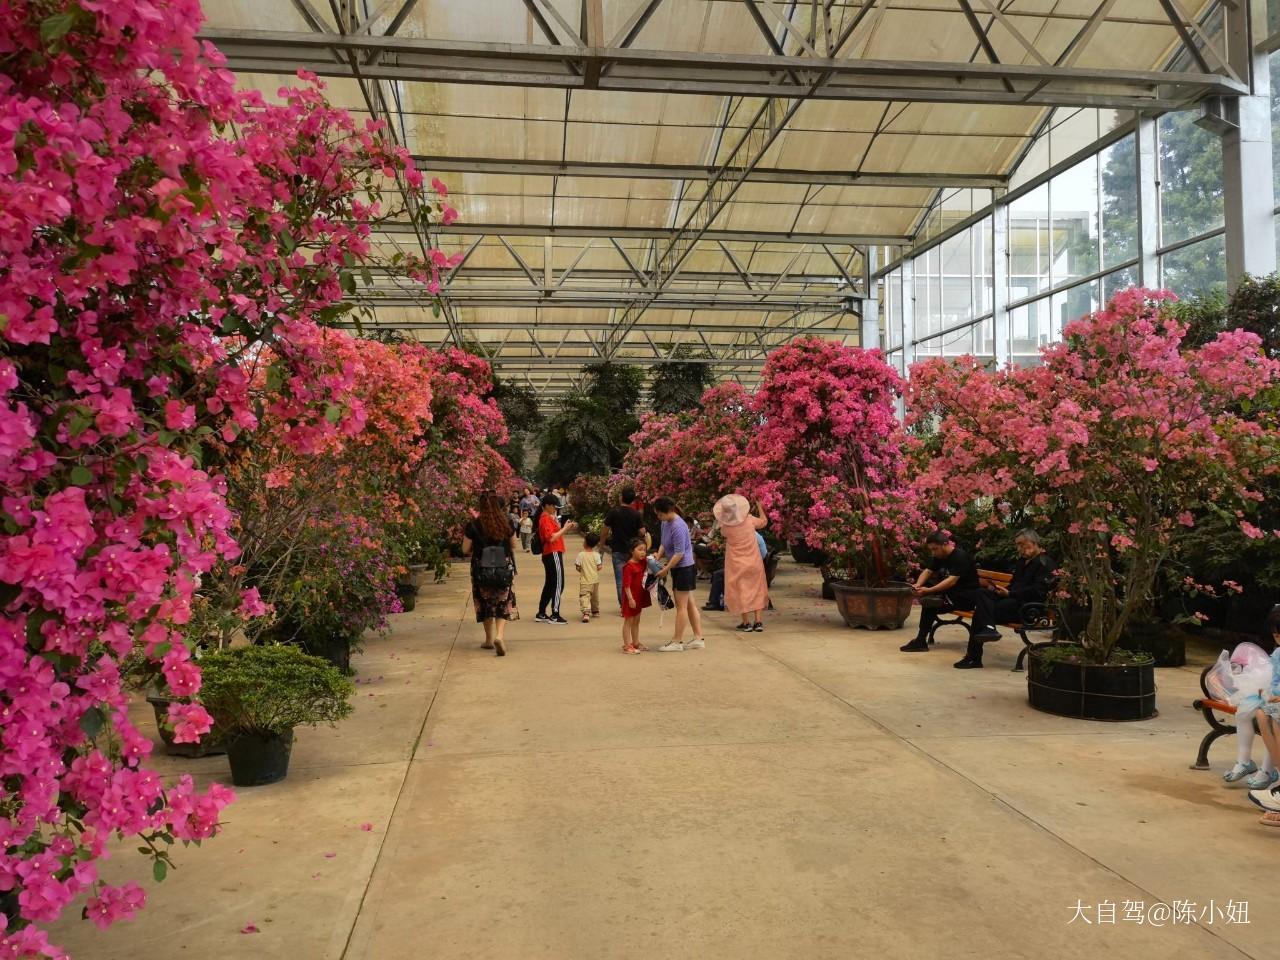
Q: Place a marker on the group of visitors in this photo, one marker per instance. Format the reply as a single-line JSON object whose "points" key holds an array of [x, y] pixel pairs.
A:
{"points": [[534, 524], [950, 582]]}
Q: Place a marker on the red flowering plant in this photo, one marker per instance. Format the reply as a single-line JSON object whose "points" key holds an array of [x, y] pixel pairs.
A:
{"points": [[462, 458], [157, 227], [829, 454], [589, 499], [322, 532], [1114, 440], [698, 456]]}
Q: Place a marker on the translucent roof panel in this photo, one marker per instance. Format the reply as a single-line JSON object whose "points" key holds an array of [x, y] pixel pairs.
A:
{"points": [[631, 177]]}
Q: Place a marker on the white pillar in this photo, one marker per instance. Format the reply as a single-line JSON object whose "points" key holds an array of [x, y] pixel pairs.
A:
{"points": [[1002, 333], [870, 302], [1148, 173], [1247, 171]]}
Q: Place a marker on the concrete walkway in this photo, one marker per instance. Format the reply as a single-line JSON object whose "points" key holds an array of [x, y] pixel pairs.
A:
{"points": [[803, 793]]}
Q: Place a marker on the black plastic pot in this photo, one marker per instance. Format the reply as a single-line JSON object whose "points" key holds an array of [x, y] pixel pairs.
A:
{"points": [[407, 594], [259, 758], [210, 744], [1166, 643], [1090, 691], [335, 649], [805, 554], [881, 607]]}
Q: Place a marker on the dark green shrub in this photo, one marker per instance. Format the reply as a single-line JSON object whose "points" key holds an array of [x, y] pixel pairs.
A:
{"points": [[272, 689]]}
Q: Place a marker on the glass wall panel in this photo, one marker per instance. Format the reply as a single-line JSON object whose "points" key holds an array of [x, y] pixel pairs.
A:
{"points": [[1029, 244], [1073, 198], [1032, 328], [957, 279], [1190, 178], [1198, 269], [892, 309], [1113, 283], [1119, 170]]}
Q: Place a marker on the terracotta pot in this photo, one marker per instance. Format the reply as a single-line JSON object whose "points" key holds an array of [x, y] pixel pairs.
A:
{"points": [[881, 607]]}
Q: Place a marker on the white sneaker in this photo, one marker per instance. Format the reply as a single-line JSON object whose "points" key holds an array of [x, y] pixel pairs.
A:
{"points": [[696, 644], [671, 647], [1267, 799]]}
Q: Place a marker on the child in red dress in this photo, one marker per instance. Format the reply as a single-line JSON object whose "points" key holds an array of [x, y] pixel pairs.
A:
{"points": [[634, 597]]}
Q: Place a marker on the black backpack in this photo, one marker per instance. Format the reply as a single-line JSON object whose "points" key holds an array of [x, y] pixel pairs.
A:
{"points": [[495, 569], [535, 541]]}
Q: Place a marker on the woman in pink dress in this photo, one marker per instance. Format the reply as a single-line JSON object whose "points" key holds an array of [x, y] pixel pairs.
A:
{"points": [[746, 592]]}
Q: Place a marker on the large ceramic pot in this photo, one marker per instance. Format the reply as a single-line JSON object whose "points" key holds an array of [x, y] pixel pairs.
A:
{"points": [[1090, 691], [881, 607], [210, 744], [259, 758]]}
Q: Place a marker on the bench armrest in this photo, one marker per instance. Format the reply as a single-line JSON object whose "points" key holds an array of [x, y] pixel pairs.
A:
{"points": [[1038, 616]]}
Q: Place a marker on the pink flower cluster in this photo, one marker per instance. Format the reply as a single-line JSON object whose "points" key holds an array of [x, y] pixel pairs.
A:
{"points": [[1113, 438], [159, 233], [819, 444]]}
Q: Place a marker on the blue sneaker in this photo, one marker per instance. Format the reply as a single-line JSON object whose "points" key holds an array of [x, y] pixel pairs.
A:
{"points": [[1240, 771], [1262, 780]]}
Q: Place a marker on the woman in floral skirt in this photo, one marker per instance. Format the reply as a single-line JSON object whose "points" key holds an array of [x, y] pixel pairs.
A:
{"points": [[492, 593]]}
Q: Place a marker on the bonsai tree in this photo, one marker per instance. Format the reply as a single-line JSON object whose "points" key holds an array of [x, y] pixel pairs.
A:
{"points": [[266, 691], [1116, 441], [828, 455]]}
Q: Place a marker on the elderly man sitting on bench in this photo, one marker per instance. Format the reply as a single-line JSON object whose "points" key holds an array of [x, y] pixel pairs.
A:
{"points": [[1031, 583]]}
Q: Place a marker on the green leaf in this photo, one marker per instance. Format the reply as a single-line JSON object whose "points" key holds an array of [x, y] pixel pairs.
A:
{"points": [[160, 870], [78, 424], [92, 722], [57, 26], [332, 413], [347, 281], [81, 475]]}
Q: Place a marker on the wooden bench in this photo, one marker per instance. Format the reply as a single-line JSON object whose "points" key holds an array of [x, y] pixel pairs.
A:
{"points": [[1034, 617], [1210, 707]]}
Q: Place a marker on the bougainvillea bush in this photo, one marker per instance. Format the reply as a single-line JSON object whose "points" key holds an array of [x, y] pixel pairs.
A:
{"points": [[157, 228], [829, 454], [1116, 440], [698, 456]]}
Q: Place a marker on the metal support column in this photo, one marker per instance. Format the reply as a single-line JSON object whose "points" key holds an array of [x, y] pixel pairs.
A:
{"points": [[1248, 192], [1002, 332], [870, 337], [1148, 174], [908, 323]]}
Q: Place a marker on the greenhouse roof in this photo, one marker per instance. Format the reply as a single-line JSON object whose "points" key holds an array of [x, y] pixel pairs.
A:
{"points": [[637, 175]]}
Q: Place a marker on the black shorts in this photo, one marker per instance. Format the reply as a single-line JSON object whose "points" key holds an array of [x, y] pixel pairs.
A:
{"points": [[684, 579]]}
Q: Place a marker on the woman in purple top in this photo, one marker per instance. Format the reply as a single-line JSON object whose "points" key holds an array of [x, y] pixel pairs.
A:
{"points": [[677, 549]]}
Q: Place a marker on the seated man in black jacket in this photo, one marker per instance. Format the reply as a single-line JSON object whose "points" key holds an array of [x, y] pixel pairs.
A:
{"points": [[948, 582], [1031, 583]]}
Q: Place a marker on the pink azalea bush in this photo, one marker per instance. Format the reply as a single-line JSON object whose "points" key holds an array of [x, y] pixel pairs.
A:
{"points": [[157, 227], [1115, 439], [698, 456], [829, 457]]}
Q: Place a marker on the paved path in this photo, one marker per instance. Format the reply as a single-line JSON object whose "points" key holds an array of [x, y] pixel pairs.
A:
{"points": [[804, 793]]}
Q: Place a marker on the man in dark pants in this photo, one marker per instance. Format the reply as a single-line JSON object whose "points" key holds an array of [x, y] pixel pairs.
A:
{"points": [[949, 582], [1031, 583], [622, 524]]}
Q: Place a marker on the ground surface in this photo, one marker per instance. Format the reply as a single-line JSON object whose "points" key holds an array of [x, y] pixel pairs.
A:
{"points": [[804, 793]]}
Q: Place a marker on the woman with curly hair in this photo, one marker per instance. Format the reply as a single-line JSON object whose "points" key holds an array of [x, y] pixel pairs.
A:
{"points": [[490, 543]]}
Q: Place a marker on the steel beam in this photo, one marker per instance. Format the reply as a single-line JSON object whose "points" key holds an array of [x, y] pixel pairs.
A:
{"points": [[670, 171], [469, 229], [699, 73]]}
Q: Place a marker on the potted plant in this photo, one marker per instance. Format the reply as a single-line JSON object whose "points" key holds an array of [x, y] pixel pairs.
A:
{"points": [[257, 695], [831, 445], [1114, 441]]}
